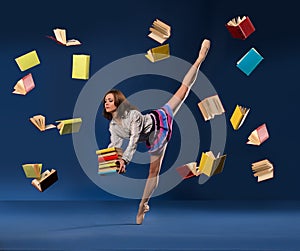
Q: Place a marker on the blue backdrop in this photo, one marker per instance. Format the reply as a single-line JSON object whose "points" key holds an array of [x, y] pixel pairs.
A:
{"points": [[112, 30]]}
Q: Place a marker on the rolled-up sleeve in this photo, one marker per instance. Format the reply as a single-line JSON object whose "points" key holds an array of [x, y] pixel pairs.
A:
{"points": [[135, 128]]}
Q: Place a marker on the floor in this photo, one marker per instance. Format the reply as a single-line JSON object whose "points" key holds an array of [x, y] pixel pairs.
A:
{"points": [[170, 225]]}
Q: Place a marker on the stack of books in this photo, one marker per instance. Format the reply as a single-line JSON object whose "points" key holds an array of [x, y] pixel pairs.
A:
{"points": [[108, 160]]}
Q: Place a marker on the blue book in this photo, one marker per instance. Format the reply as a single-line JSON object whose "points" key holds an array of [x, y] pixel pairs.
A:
{"points": [[249, 61]]}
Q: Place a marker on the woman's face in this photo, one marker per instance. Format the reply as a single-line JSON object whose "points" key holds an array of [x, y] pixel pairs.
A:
{"points": [[109, 103]]}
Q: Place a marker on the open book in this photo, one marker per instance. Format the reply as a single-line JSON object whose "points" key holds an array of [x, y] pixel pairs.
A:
{"points": [[46, 180], [210, 107], [40, 122], [240, 27], [238, 116], [32, 170], [263, 170], [61, 38], [188, 170], [259, 135], [211, 165], [24, 85], [158, 53], [160, 31], [68, 126]]}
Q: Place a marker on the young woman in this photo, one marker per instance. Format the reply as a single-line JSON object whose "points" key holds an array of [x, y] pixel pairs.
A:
{"points": [[154, 128]]}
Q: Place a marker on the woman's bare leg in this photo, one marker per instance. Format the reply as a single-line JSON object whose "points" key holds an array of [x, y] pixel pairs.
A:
{"points": [[151, 184], [181, 94]]}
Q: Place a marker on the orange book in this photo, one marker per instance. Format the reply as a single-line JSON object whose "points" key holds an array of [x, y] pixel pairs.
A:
{"points": [[24, 85]]}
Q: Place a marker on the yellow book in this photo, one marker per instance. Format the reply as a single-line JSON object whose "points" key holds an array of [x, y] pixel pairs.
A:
{"points": [[238, 116], [32, 170], [68, 126], [28, 60], [108, 150], [158, 53], [211, 165], [81, 66]]}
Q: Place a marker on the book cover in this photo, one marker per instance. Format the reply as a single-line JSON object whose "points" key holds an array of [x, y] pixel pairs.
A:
{"points": [[24, 85], [238, 116], [188, 170], [81, 66], [259, 135], [47, 179], [158, 53], [28, 60], [68, 126], [249, 61], [32, 170], [240, 28]]}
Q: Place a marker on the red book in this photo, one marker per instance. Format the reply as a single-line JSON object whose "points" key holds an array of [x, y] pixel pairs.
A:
{"points": [[259, 135], [240, 28], [109, 157], [188, 170]]}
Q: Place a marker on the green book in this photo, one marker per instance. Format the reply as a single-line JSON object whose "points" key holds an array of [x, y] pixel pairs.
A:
{"points": [[68, 126], [32, 170]]}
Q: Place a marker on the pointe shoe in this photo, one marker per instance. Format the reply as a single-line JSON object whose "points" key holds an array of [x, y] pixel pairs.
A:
{"points": [[204, 50], [141, 213]]}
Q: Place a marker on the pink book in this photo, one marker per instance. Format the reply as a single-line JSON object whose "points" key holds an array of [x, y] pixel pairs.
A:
{"points": [[24, 85], [259, 135]]}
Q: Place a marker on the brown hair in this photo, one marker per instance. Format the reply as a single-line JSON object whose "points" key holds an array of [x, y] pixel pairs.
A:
{"points": [[121, 103]]}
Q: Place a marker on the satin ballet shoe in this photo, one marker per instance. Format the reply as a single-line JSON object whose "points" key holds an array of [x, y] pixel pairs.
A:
{"points": [[141, 213], [204, 50]]}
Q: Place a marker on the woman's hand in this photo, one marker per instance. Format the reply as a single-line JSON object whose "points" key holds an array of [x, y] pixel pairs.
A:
{"points": [[122, 168]]}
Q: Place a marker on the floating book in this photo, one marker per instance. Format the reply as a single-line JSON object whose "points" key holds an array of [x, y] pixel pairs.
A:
{"points": [[68, 126], [188, 170], [109, 160], [249, 61], [46, 180], [240, 28], [238, 116], [160, 31], [258, 136], [61, 38], [28, 60], [158, 53], [81, 66], [210, 107], [32, 170], [211, 165], [40, 122], [263, 170], [24, 85]]}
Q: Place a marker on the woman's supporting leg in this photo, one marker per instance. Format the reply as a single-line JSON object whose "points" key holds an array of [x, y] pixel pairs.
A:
{"points": [[181, 94], [151, 184]]}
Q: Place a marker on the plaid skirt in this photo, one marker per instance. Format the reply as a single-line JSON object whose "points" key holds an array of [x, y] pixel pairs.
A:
{"points": [[161, 130]]}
